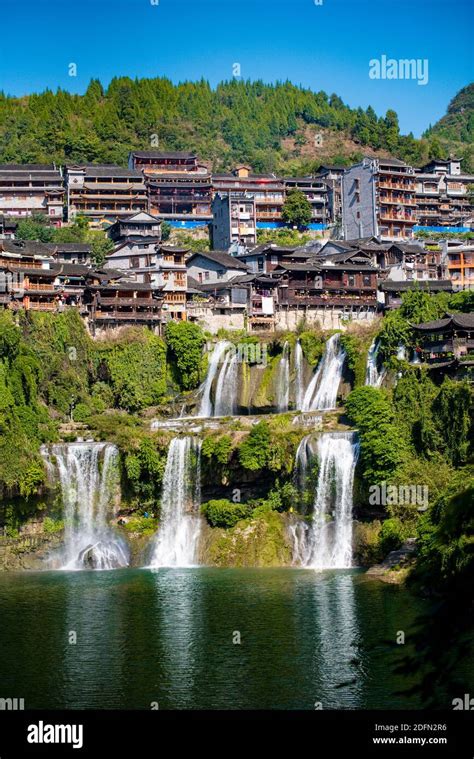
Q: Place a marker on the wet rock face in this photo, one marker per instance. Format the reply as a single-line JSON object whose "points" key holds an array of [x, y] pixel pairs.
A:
{"points": [[102, 555]]}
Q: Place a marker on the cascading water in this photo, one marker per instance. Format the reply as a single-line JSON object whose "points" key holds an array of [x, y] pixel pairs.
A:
{"points": [[299, 376], [297, 527], [89, 484], [401, 352], [206, 408], [222, 376], [327, 542], [373, 376], [321, 393], [283, 379], [177, 541], [227, 385]]}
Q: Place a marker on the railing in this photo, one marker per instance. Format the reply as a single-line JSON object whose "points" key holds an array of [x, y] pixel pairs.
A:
{"points": [[397, 186], [130, 316], [38, 286], [32, 306], [319, 300], [397, 217], [127, 302]]}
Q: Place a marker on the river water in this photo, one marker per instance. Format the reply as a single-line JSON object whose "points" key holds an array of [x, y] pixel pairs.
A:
{"points": [[171, 636]]}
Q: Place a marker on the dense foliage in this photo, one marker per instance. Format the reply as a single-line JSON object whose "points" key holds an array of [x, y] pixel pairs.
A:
{"points": [[224, 513], [36, 227], [185, 342], [237, 121], [296, 210]]}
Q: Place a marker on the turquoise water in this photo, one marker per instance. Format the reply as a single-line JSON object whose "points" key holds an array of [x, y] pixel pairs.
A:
{"points": [[170, 636]]}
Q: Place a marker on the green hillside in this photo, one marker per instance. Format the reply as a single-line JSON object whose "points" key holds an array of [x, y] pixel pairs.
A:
{"points": [[272, 127], [454, 133]]}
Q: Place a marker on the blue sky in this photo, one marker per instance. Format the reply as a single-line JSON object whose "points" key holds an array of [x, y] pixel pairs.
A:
{"points": [[325, 46]]}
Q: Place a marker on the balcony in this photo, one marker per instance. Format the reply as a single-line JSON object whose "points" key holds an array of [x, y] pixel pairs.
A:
{"points": [[143, 316], [326, 300], [129, 302], [396, 186], [404, 217]]}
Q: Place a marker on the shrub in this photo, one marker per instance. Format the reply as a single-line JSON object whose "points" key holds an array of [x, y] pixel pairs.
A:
{"points": [[185, 342], [254, 451], [224, 513], [392, 535]]}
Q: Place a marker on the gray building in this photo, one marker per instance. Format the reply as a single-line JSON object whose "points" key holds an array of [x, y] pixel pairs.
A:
{"points": [[214, 267], [234, 219], [378, 198]]}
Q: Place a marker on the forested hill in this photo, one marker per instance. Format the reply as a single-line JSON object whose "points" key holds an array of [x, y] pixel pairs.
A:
{"points": [[456, 129], [279, 127]]}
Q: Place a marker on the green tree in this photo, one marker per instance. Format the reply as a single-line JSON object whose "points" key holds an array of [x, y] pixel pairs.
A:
{"points": [[296, 209], [185, 343]]}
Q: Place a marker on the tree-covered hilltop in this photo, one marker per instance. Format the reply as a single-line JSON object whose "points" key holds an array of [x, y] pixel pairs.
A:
{"points": [[272, 127], [455, 130]]}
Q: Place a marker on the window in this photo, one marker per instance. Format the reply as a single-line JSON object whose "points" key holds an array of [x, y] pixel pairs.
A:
{"points": [[220, 273], [351, 280], [134, 262], [206, 275], [274, 259], [366, 280]]}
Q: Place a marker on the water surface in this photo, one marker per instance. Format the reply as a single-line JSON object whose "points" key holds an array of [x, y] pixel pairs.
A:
{"points": [[170, 636]]}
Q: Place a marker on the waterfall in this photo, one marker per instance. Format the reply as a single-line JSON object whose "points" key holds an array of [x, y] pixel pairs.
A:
{"points": [[206, 407], [177, 540], [326, 543], [373, 376], [299, 378], [89, 482], [227, 385], [283, 379], [223, 374], [321, 392], [401, 352]]}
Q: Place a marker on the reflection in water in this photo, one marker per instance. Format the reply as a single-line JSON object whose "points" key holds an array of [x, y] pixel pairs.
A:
{"points": [[338, 660], [169, 635], [92, 640]]}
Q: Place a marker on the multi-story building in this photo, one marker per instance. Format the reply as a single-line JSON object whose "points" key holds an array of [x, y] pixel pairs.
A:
{"points": [[116, 303], [315, 191], [171, 278], [104, 193], [179, 188], [137, 239], [332, 176], [446, 343], [442, 196], [214, 266], [340, 280], [72, 252], [267, 189], [141, 255], [8, 227], [460, 265], [27, 278], [234, 220], [32, 189], [263, 259], [378, 198]]}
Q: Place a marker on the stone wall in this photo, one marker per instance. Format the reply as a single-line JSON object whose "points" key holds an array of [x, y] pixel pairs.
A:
{"points": [[326, 318]]}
